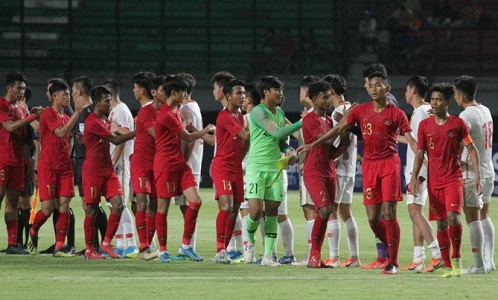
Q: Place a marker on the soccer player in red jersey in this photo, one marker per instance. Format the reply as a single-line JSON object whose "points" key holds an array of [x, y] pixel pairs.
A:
{"points": [[11, 156], [319, 168], [55, 171], [99, 177], [441, 137], [226, 169], [172, 174], [380, 122]]}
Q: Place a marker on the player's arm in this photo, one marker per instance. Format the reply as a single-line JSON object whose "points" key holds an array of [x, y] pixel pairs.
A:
{"points": [[35, 125], [411, 141], [192, 136], [119, 139], [330, 135], [474, 159], [260, 119], [343, 145], [288, 151], [295, 134], [417, 165], [62, 131], [210, 139], [12, 126]]}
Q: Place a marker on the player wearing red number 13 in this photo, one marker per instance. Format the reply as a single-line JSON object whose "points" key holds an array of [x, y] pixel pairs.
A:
{"points": [[441, 136], [380, 122]]}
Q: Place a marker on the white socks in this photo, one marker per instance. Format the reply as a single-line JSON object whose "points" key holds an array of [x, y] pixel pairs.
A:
{"points": [[488, 241], [309, 229], [434, 248], [418, 254], [334, 236], [287, 234], [352, 233], [476, 242]]}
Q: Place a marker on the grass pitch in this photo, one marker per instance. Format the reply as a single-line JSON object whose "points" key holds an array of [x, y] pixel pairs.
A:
{"points": [[46, 277]]}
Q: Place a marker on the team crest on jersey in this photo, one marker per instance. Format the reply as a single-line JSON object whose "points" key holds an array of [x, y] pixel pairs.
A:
{"points": [[451, 133], [387, 122]]}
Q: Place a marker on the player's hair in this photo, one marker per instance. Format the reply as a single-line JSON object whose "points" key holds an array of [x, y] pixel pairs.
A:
{"points": [[57, 86], [337, 83], [98, 92], [157, 81], [142, 79], [56, 79], [252, 91], [174, 83], [113, 86], [318, 87], [268, 82], [375, 67], [228, 87], [380, 75], [307, 80], [221, 78], [190, 80], [27, 94], [466, 85], [420, 83], [85, 84], [11, 78], [448, 90]]}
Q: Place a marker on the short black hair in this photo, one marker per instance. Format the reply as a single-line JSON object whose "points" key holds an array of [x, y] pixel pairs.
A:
{"points": [[113, 86], [375, 67], [466, 85], [252, 91], [85, 83], [380, 75], [317, 87], [142, 79], [56, 79], [228, 87], [11, 78], [98, 92], [268, 82], [222, 78], [156, 82], [307, 80], [57, 86], [190, 80], [173, 83], [420, 83], [27, 94], [448, 90], [337, 83]]}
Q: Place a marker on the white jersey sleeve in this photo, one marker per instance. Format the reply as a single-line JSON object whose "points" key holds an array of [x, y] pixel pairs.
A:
{"points": [[192, 111], [122, 116], [346, 167], [420, 113]]}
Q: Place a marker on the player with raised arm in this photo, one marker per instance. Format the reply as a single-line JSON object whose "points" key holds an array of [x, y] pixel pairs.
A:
{"points": [[441, 136]]}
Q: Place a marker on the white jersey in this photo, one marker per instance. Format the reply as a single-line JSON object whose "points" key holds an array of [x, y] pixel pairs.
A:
{"points": [[192, 111], [346, 167], [121, 115], [480, 123], [420, 113]]}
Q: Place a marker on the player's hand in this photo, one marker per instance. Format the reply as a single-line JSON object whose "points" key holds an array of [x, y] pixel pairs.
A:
{"points": [[478, 186], [292, 156], [348, 111], [337, 116], [36, 110], [114, 127], [78, 104], [303, 148], [303, 113], [210, 128], [345, 155], [414, 186]]}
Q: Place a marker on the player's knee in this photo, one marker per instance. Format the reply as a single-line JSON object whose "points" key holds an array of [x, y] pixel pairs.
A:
{"points": [[195, 205]]}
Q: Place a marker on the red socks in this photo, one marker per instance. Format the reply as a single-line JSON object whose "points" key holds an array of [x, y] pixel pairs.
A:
{"points": [[11, 231], [151, 227], [40, 219], [392, 232], [141, 224], [162, 231], [318, 233], [190, 221], [112, 227], [455, 233], [443, 239], [61, 228], [89, 227], [221, 228]]}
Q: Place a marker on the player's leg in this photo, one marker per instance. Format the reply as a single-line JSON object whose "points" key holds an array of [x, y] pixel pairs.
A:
{"points": [[333, 237], [472, 209], [47, 208], [112, 191], [286, 227], [62, 227], [127, 219], [191, 193], [11, 186], [453, 202], [352, 234], [23, 213], [487, 225], [92, 189]]}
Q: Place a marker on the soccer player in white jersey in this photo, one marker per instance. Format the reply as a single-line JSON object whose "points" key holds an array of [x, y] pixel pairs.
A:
{"points": [[345, 169], [416, 89], [478, 119], [121, 116]]}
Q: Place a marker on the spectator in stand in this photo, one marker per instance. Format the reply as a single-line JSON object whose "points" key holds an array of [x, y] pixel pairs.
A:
{"points": [[368, 32], [284, 50], [307, 51]]}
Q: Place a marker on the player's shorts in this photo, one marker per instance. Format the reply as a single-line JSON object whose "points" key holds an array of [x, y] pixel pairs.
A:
{"points": [[96, 186], [180, 200], [488, 185], [228, 182], [142, 181], [344, 189], [9, 177], [256, 182], [245, 204], [55, 183], [282, 208], [422, 194], [171, 184], [304, 196], [321, 190], [447, 198], [382, 180]]}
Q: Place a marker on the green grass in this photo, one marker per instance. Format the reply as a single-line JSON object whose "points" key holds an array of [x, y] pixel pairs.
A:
{"points": [[45, 277]]}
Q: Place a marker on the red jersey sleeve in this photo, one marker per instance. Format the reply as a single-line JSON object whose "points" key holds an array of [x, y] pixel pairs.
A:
{"points": [[146, 118], [353, 116], [98, 128], [230, 124], [172, 121], [4, 113], [404, 125], [51, 123], [421, 143]]}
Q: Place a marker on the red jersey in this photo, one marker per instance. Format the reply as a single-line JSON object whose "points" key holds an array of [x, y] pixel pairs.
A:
{"points": [[97, 158], [319, 160], [229, 146], [145, 145], [11, 145], [442, 143], [55, 150], [379, 129], [169, 155]]}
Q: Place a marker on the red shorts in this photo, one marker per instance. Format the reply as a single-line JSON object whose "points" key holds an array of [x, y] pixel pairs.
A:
{"points": [[321, 190], [142, 181], [447, 198], [171, 184], [55, 183], [382, 180], [96, 186], [228, 182], [12, 177]]}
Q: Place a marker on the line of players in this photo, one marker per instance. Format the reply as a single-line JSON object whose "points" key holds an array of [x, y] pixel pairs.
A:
{"points": [[266, 122]]}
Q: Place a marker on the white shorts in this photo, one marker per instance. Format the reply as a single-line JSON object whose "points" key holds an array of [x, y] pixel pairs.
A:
{"points": [[282, 209], [422, 195], [304, 196], [488, 185], [470, 197], [180, 200], [344, 189]]}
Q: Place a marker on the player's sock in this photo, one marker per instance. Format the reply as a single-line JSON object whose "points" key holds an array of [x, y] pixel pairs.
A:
{"points": [[20, 227], [476, 242], [444, 245], [23, 225], [55, 215], [90, 232], [318, 233], [100, 224], [352, 232], [190, 222], [434, 248], [236, 243], [455, 233], [333, 236], [287, 235], [112, 227], [230, 225], [271, 227], [221, 228], [151, 227], [379, 229], [61, 228], [119, 236], [11, 231], [262, 228], [418, 254], [128, 227], [381, 248], [71, 229], [392, 232], [162, 231], [489, 240], [252, 226], [141, 223], [40, 219], [243, 223], [309, 229], [193, 239]]}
